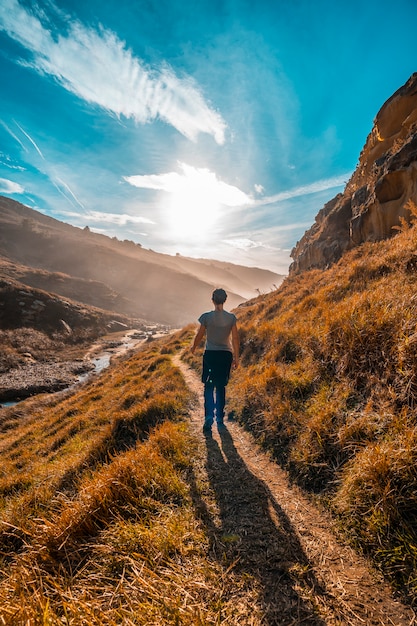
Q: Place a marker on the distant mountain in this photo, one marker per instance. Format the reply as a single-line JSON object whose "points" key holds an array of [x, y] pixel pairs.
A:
{"points": [[375, 199], [120, 276]]}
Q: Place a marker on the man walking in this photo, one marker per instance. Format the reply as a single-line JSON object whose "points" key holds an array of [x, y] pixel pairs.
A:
{"points": [[221, 352]]}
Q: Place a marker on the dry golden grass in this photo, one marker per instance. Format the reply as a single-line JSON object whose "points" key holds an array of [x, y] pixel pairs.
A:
{"points": [[15, 343], [126, 549], [98, 525], [329, 383]]}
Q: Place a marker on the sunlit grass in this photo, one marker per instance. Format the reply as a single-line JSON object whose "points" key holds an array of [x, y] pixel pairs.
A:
{"points": [[329, 384], [126, 548], [58, 443], [98, 525]]}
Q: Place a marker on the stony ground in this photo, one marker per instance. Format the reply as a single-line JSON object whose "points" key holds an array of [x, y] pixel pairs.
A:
{"points": [[56, 373], [33, 378], [267, 528]]}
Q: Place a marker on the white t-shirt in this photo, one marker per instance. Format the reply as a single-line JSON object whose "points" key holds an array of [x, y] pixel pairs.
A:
{"points": [[218, 326]]}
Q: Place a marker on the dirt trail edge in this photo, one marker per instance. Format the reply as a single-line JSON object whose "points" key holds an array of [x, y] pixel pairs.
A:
{"points": [[274, 534]]}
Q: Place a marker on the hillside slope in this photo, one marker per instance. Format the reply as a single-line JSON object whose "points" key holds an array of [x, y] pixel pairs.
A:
{"points": [[44, 336], [375, 198], [122, 276], [23, 306], [328, 382]]}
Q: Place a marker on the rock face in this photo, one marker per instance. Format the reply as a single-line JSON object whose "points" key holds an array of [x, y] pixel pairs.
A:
{"points": [[376, 197]]}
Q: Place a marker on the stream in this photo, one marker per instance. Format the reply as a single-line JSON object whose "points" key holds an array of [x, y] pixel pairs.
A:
{"points": [[100, 355]]}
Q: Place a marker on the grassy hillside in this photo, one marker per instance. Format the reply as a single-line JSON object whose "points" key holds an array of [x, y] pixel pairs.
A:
{"points": [[329, 383]]}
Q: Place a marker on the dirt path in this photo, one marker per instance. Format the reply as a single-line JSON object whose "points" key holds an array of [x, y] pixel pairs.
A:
{"points": [[273, 533]]}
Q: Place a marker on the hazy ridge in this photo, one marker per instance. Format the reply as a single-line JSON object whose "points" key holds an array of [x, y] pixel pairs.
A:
{"points": [[118, 276]]}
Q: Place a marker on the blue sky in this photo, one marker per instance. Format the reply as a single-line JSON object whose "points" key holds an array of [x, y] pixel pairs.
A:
{"points": [[212, 128]]}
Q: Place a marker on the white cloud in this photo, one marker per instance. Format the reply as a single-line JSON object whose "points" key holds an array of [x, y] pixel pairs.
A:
{"points": [[8, 186], [119, 219], [200, 183], [32, 141], [98, 67], [7, 161], [11, 133], [305, 190], [243, 243], [66, 192]]}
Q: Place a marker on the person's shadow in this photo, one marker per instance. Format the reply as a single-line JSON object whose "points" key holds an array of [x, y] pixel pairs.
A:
{"points": [[255, 537]]}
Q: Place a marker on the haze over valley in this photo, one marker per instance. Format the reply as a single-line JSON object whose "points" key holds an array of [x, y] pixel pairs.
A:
{"points": [[119, 276]]}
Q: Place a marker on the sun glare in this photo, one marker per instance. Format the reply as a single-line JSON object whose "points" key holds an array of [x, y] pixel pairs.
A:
{"points": [[197, 201], [192, 213], [194, 207]]}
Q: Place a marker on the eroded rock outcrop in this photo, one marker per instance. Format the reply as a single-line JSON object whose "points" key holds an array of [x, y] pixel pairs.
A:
{"points": [[376, 197]]}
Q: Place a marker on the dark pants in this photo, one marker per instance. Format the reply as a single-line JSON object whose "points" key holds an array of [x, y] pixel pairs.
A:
{"points": [[216, 372]]}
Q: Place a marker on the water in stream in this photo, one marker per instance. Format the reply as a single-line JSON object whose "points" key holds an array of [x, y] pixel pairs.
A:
{"points": [[101, 360]]}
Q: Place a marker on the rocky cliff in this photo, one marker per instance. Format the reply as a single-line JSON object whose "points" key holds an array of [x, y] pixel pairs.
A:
{"points": [[376, 197]]}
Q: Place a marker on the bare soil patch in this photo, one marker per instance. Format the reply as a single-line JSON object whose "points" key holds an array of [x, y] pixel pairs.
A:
{"points": [[265, 527]]}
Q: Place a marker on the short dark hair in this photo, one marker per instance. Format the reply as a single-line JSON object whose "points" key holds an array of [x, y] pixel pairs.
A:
{"points": [[219, 296]]}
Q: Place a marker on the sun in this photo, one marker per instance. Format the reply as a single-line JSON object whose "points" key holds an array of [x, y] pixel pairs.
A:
{"points": [[197, 200], [193, 214], [194, 207], [194, 201]]}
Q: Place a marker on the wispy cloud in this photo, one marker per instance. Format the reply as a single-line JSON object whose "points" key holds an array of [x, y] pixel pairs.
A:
{"points": [[12, 134], [49, 170], [7, 161], [305, 190], [32, 141], [67, 192], [8, 186], [205, 181], [196, 182], [99, 68], [243, 243], [118, 219]]}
